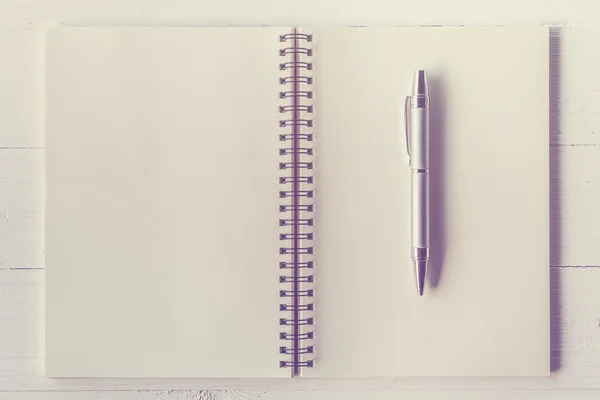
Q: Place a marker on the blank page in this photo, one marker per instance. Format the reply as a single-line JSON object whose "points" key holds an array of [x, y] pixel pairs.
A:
{"points": [[161, 234], [486, 305]]}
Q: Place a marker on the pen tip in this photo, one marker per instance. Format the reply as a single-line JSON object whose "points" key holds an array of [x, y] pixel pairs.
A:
{"points": [[420, 275]]}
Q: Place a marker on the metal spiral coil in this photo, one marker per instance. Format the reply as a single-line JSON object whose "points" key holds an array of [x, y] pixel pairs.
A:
{"points": [[296, 196]]}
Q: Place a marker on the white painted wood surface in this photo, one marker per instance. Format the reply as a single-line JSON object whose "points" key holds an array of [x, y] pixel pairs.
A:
{"points": [[575, 197]]}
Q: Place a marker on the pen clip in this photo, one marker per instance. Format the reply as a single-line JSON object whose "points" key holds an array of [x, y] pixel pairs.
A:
{"points": [[407, 125]]}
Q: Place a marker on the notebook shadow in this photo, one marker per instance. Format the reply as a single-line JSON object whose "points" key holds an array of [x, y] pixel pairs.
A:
{"points": [[437, 154], [555, 47]]}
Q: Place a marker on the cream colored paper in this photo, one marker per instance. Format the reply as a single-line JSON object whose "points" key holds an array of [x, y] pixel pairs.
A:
{"points": [[488, 313], [161, 234]]}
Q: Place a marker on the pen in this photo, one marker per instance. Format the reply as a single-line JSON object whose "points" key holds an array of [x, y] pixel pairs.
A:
{"points": [[416, 116]]}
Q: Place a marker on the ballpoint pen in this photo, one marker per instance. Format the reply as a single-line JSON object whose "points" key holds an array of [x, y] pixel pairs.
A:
{"points": [[416, 116]]}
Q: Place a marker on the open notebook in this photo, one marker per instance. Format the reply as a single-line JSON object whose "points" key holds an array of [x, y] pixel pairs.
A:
{"points": [[234, 202]]}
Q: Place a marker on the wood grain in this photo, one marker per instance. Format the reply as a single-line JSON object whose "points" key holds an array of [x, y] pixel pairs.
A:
{"points": [[574, 206], [21, 208], [305, 395], [306, 12], [579, 87], [21, 94]]}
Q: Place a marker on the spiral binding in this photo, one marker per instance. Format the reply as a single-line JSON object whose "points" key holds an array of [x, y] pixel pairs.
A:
{"points": [[296, 196]]}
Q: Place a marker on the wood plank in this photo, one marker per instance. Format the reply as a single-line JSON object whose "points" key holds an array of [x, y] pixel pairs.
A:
{"points": [[311, 12], [578, 92], [574, 205], [573, 64], [129, 395], [575, 347], [575, 215], [417, 395], [311, 395], [21, 94], [21, 208], [574, 171]]}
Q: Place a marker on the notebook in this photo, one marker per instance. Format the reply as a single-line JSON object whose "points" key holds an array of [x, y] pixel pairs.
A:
{"points": [[234, 202]]}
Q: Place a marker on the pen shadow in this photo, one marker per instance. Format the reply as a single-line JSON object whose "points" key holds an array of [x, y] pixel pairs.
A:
{"points": [[437, 199]]}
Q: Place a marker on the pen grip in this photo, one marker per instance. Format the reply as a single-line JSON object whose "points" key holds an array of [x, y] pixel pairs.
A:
{"points": [[419, 209]]}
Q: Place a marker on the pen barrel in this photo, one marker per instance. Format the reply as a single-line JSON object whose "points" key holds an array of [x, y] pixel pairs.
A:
{"points": [[419, 210], [419, 147]]}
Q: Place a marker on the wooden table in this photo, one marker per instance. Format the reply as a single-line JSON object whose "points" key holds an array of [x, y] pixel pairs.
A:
{"points": [[574, 208]]}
